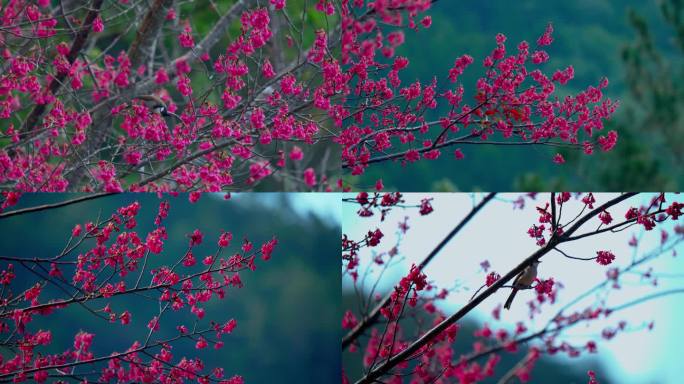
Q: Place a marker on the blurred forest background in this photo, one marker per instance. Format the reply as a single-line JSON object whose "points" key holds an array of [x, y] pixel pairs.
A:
{"points": [[637, 45], [288, 312]]}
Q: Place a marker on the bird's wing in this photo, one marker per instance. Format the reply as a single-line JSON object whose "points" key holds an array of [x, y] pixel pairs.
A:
{"points": [[151, 98], [516, 281]]}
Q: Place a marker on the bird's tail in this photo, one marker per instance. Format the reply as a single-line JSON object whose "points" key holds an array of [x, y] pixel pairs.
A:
{"points": [[509, 301]]}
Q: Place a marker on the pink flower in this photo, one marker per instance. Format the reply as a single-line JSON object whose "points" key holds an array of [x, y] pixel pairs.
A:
{"points": [[97, 24], [133, 157], [349, 321], [326, 6], [196, 238], [257, 118], [76, 231], [40, 376], [605, 217], [459, 66], [182, 67], [155, 240], [608, 142], [425, 207], [106, 173], [229, 326], [194, 196], [153, 325], [259, 170], [558, 159], [604, 257], [492, 277], [539, 57], [564, 76], [183, 86], [224, 239], [267, 69], [43, 337], [310, 177], [161, 76], [125, 318], [247, 246], [83, 340], [592, 377], [412, 156], [55, 271], [201, 343], [544, 286], [546, 39], [267, 249], [189, 259], [185, 38], [296, 153], [278, 4]]}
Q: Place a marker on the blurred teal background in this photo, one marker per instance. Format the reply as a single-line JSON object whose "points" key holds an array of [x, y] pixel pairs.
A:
{"points": [[637, 45], [288, 312]]}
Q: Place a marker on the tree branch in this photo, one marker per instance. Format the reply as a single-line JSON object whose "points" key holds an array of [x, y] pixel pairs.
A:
{"points": [[372, 318], [54, 205], [390, 363], [141, 48], [76, 46]]}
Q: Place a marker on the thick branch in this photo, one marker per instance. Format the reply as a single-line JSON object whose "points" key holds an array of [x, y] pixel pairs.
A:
{"points": [[590, 215], [76, 46], [141, 48], [202, 47], [54, 205]]}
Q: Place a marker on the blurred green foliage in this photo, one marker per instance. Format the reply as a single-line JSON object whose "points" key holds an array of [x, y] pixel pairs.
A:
{"points": [[288, 311]]}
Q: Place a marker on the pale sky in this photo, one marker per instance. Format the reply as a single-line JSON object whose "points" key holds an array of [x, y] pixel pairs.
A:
{"points": [[498, 234], [323, 205]]}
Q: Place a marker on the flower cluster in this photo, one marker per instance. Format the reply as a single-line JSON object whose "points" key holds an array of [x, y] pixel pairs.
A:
{"points": [[108, 259], [604, 257], [514, 100], [229, 120]]}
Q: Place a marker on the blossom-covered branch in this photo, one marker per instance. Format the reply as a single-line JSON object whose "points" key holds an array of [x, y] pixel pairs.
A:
{"points": [[103, 262], [424, 349], [514, 103]]}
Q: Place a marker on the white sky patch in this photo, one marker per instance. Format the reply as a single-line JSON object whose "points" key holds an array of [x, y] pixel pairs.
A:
{"points": [[324, 205]]}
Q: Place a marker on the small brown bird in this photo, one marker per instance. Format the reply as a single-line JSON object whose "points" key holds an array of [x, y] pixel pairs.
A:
{"points": [[157, 105], [522, 281]]}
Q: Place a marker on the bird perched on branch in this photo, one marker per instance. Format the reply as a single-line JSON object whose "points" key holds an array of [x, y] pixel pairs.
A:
{"points": [[524, 280], [157, 105]]}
